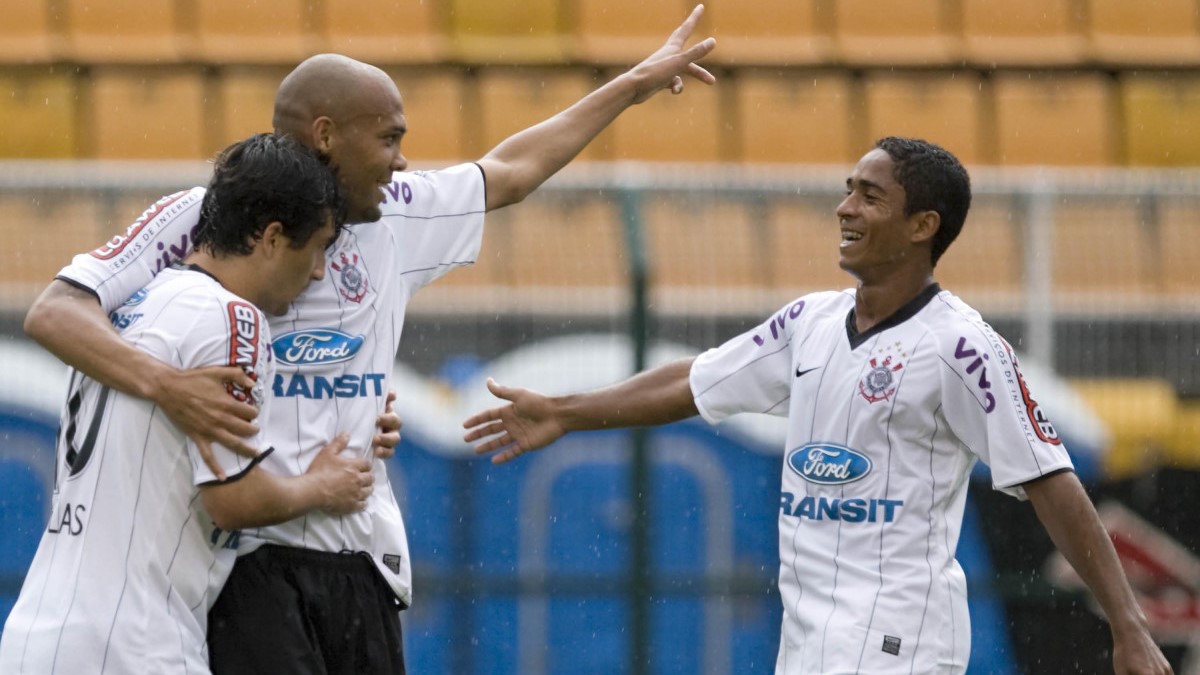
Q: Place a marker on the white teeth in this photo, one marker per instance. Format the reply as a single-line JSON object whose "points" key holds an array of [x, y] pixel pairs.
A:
{"points": [[850, 235]]}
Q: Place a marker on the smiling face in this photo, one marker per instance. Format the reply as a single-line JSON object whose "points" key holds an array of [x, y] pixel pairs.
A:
{"points": [[364, 149]]}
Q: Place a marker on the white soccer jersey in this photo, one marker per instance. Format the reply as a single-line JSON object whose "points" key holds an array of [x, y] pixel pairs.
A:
{"points": [[335, 348], [883, 429], [121, 580]]}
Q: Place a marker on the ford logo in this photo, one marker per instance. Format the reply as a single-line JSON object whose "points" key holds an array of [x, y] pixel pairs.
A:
{"points": [[829, 464], [137, 298], [315, 346]]}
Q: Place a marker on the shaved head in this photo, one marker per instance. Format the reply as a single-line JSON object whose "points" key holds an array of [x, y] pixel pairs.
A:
{"points": [[334, 86]]}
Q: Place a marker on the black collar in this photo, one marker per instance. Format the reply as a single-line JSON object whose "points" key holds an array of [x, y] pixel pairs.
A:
{"points": [[196, 268], [908, 311]]}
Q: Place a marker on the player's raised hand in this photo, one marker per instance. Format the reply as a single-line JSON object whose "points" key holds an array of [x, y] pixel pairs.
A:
{"points": [[384, 443], [665, 68], [527, 423], [345, 483], [198, 402]]}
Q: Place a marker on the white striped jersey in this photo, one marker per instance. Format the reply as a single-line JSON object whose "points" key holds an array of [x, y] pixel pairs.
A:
{"points": [[335, 348], [883, 429], [122, 579]]}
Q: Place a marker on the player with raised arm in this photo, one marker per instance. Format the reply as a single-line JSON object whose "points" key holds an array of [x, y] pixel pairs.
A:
{"points": [[892, 391], [294, 592], [142, 533]]}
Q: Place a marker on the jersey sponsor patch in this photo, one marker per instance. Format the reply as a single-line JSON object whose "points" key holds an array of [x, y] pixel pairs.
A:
{"points": [[879, 383], [829, 464], [315, 346], [777, 324], [1037, 417], [351, 281], [117, 244], [245, 334]]}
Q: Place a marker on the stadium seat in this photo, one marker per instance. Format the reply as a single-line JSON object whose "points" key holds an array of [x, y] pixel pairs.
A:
{"points": [[1162, 32], [688, 128], [802, 247], [38, 113], [895, 32], [984, 265], [1183, 443], [245, 97], [511, 100], [262, 31], [790, 118], [487, 32], [123, 31], [385, 31], [439, 116], [623, 32], [776, 32], [29, 33], [148, 113], [1023, 32], [944, 109], [1102, 255], [1160, 113], [47, 228], [1054, 119], [1179, 247], [578, 245], [1141, 413]]}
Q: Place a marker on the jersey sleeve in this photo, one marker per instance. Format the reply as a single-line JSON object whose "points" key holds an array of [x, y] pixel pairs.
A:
{"points": [[441, 215], [751, 372], [990, 408], [126, 263]]}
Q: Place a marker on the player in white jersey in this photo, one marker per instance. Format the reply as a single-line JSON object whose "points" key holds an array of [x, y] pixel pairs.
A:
{"points": [[336, 344], [142, 534], [892, 391]]}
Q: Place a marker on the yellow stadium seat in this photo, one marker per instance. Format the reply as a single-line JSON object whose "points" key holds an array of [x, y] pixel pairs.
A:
{"points": [[623, 32], [1179, 247], [259, 31], [1102, 254], [984, 264], [246, 100], [776, 32], [28, 33], [45, 230], [1162, 32], [123, 31], [512, 100], [38, 114], [1023, 32], [802, 247], [895, 32], [439, 116], [795, 119], [1160, 113], [1141, 413], [943, 109], [148, 114], [685, 128], [1183, 443], [484, 31], [1054, 119], [385, 31]]}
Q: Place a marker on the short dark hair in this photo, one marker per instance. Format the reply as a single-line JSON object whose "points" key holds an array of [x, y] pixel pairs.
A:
{"points": [[261, 180], [933, 180]]}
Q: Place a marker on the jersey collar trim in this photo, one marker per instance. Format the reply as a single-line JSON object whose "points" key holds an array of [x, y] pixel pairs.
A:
{"points": [[908, 311]]}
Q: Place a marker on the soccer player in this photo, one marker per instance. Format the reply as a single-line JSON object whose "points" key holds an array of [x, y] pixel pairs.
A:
{"points": [[294, 601], [892, 390], [142, 534]]}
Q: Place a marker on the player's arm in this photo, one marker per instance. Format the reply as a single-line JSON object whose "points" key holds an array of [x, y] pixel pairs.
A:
{"points": [[256, 498], [532, 420], [524, 161], [69, 322], [1072, 523]]}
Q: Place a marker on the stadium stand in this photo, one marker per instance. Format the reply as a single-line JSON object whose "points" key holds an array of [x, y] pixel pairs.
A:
{"points": [[1102, 254], [28, 33], [484, 31], [384, 31], [579, 245], [806, 118], [1183, 442], [687, 128], [1179, 247], [932, 106], [1163, 32], [41, 223], [1141, 413], [263, 31], [148, 113], [984, 265], [123, 31], [245, 98], [434, 101], [39, 113], [1054, 119], [698, 244], [777, 32], [1023, 32], [802, 241], [621, 31], [1160, 112], [511, 100], [895, 32]]}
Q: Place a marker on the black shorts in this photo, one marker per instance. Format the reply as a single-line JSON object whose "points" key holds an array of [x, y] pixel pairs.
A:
{"points": [[303, 612]]}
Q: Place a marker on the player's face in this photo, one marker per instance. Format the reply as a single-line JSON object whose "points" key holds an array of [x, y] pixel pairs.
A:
{"points": [[875, 231], [296, 267], [367, 154]]}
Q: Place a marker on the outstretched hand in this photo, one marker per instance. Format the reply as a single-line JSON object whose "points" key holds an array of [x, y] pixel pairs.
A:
{"points": [[526, 424], [198, 402], [665, 68]]}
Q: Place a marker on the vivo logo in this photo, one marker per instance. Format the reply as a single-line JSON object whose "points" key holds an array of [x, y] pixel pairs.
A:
{"points": [[828, 464], [316, 345]]}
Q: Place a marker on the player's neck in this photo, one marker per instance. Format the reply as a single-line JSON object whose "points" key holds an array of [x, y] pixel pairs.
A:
{"points": [[875, 301], [234, 272]]}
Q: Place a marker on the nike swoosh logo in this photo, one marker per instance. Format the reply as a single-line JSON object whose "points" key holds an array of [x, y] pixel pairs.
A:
{"points": [[800, 373]]}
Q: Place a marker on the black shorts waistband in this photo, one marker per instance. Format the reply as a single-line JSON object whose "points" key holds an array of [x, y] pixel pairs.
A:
{"points": [[307, 556]]}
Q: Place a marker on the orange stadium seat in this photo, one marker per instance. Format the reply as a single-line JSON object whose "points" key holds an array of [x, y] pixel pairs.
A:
{"points": [[944, 109], [1162, 32], [895, 32], [572, 244], [1160, 113], [783, 32], [1023, 32], [263, 31], [512, 100], [123, 31], [984, 265], [484, 31], [1054, 119], [1102, 256], [687, 128], [245, 98], [46, 229], [29, 32], [148, 113], [1179, 247], [624, 31], [802, 247], [39, 114], [435, 106], [795, 119], [385, 31]]}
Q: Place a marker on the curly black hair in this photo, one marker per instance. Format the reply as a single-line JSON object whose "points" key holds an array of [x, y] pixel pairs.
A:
{"points": [[261, 180], [933, 180]]}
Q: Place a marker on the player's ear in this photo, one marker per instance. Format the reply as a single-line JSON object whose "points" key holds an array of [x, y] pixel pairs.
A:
{"points": [[924, 225], [273, 239], [322, 134]]}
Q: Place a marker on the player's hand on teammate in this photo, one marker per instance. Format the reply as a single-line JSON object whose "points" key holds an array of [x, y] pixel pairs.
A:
{"points": [[345, 482], [665, 68], [527, 423], [384, 443], [198, 402]]}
